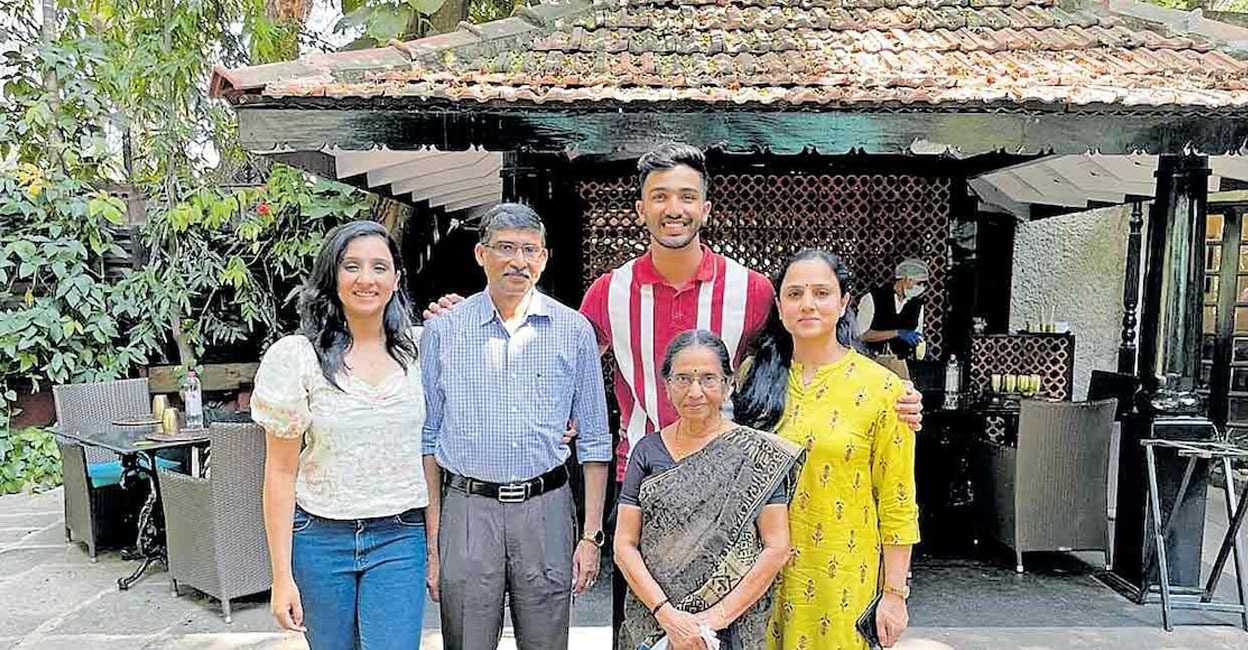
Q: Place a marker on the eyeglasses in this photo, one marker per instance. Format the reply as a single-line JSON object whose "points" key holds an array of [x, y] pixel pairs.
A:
{"points": [[508, 249], [707, 381]]}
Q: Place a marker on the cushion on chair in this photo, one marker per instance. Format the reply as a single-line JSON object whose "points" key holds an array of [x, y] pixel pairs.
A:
{"points": [[163, 463], [104, 474], [109, 473]]}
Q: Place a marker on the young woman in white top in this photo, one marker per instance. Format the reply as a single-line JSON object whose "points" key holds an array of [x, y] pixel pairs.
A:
{"points": [[345, 493]]}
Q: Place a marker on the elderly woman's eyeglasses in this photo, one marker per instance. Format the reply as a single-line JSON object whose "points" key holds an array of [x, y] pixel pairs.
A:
{"points": [[707, 381], [508, 249]]}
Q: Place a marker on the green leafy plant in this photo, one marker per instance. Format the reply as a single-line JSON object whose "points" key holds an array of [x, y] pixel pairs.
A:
{"points": [[383, 20], [29, 461], [226, 263], [104, 73]]}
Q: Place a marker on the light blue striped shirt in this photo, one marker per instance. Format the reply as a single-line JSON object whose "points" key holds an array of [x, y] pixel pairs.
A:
{"points": [[497, 404]]}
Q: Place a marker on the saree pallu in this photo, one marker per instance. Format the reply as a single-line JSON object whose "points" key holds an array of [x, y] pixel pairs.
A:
{"points": [[699, 533]]}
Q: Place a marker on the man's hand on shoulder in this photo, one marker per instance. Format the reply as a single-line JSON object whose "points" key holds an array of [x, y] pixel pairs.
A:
{"points": [[910, 408], [442, 305]]}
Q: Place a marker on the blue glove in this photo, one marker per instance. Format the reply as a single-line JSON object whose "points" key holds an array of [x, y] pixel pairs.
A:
{"points": [[911, 337]]}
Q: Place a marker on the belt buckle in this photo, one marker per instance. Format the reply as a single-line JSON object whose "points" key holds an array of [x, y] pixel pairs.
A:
{"points": [[513, 493]]}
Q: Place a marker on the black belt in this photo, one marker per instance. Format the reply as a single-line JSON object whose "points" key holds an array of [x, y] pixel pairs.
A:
{"points": [[517, 492]]}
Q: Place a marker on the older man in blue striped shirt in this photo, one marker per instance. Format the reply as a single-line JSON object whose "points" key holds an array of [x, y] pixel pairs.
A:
{"points": [[504, 374]]}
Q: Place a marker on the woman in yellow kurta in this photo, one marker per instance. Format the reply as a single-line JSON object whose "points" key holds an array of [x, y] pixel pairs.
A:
{"points": [[854, 507]]}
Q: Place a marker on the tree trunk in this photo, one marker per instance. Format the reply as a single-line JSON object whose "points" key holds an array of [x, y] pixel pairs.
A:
{"points": [[284, 10], [446, 19], [290, 15], [48, 35]]}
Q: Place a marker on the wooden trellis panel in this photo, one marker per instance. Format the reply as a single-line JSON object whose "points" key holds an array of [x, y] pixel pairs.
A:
{"points": [[872, 220], [1052, 356]]}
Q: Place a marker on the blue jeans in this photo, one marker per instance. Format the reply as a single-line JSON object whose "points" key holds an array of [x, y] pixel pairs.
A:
{"points": [[362, 581]]}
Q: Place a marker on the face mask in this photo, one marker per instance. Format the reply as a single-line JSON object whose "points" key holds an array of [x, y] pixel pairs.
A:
{"points": [[913, 291]]}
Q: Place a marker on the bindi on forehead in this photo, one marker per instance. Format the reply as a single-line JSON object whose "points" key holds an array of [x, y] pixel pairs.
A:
{"points": [[822, 285]]}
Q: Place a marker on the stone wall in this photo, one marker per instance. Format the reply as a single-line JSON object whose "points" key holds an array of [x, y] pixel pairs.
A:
{"points": [[1076, 263]]}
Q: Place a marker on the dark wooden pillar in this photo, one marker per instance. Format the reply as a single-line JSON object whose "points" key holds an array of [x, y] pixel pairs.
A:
{"points": [[518, 174], [543, 182], [1169, 360], [1171, 304], [1131, 291]]}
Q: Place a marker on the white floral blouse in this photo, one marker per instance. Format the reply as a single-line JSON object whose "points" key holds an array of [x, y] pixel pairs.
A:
{"points": [[362, 445]]}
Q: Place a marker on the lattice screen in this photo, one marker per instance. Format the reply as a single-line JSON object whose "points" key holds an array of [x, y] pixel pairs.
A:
{"points": [[874, 221], [1052, 356]]}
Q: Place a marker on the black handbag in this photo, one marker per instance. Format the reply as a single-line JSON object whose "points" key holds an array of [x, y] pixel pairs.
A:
{"points": [[866, 624]]}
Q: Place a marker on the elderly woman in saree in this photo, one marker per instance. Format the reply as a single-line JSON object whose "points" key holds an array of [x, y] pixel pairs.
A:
{"points": [[702, 528]]}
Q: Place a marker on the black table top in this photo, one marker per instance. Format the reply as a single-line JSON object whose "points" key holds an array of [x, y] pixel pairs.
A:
{"points": [[132, 439]]}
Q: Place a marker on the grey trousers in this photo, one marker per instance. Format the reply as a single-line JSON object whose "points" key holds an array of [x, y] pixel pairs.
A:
{"points": [[524, 551]]}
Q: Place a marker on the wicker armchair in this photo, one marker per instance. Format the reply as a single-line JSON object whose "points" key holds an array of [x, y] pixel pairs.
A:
{"points": [[95, 511], [1049, 492], [215, 525], [96, 516]]}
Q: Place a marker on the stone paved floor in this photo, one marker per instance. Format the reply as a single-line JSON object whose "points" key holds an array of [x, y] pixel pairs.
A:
{"points": [[52, 597]]}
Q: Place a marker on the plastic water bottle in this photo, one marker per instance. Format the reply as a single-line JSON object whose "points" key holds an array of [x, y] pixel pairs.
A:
{"points": [[193, 400], [953, 378]]}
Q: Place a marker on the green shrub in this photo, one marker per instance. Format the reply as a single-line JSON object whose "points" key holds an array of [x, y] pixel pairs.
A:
{"points": [[29, 460]]}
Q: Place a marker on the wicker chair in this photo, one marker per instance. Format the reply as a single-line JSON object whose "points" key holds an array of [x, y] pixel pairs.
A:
{"points": [[1049, 493], [94, 514], [215, 525]]}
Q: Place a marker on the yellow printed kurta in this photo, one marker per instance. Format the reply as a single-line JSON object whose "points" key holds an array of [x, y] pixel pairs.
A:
{"points": [[855, 493]]}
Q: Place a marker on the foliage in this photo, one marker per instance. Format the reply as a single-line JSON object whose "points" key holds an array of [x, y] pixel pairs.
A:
{"points": [[383, 20], [228, 261], [29, 460], [483, 11], [132, 75], [1207, 5], [64, 317]]}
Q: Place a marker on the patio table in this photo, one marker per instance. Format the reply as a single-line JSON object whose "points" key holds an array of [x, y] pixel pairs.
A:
{"points": [[132, 443]]}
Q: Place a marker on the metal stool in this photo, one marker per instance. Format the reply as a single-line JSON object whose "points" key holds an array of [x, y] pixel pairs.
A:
{"points": [[1202, 600]]}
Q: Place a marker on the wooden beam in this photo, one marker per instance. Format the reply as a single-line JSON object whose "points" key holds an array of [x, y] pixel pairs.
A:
{"points": [[475, 200], [216, 376], [1024, 188], [1072, 177], [315, 123], [456, 169], [448, 198], [416, 163], [354, 161], [1230, 167], [990, 194], [1100, 175], [471, 185]]}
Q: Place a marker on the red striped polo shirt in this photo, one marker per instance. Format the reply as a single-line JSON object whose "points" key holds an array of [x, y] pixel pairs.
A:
{"points": [[637, 314]]}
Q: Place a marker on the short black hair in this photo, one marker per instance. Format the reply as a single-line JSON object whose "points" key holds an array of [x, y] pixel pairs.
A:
{"points": [[668, 156], [510, 216]]}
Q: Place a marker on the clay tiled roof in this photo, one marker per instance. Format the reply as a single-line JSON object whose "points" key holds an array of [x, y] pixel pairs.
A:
{"points": [[793, 54]]}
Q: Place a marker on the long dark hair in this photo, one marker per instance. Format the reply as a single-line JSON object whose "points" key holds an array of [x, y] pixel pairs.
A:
{"points": [[321, 318], [760, 401]]}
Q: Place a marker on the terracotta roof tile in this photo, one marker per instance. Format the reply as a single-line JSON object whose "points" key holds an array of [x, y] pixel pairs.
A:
{"points": [[938, 52]]}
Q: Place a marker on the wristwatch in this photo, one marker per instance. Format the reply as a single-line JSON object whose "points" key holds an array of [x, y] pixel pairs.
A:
{"points": [[903, 591], [597, 539]]}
